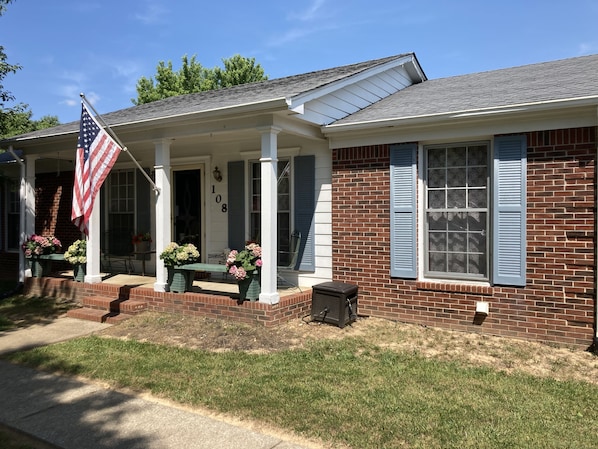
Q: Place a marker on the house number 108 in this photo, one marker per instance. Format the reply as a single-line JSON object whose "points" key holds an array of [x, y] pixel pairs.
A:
{"points": [[218, 199]]}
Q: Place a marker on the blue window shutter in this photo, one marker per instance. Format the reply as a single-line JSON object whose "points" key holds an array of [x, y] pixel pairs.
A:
{"points": [[236, 204], [509, 203], [305, 207], [403, 240]]}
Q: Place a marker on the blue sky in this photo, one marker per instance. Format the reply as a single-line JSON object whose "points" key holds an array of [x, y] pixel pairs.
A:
{"points": [[103, 47]]}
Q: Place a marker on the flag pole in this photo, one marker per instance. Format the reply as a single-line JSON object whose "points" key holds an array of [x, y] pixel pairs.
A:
{"points": [[123, 147]]}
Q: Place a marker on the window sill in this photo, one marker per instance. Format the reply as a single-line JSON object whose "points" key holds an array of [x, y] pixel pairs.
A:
{"points": [[439, 286]]}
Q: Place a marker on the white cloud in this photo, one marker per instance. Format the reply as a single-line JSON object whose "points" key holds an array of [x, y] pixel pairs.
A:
{"points": [[70, 94], [308, 21], [75, 85], [152, 14], [309, 14]]}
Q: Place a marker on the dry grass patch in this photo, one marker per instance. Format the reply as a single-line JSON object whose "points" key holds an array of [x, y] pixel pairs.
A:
{"points": [[500, 353]]}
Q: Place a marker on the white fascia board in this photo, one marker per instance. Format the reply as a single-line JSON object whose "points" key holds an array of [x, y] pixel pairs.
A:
{"points": [[472, 127], [273, 105], [423, 119], [301, 99]]}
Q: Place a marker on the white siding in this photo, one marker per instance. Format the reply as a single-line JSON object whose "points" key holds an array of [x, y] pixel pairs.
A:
{"points": [[352, 97]]}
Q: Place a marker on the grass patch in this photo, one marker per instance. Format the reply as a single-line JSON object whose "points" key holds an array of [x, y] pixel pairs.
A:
{"points": [[347, 391]]}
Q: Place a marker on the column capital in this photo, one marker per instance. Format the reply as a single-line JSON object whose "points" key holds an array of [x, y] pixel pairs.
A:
{"points": [[269, 129]]}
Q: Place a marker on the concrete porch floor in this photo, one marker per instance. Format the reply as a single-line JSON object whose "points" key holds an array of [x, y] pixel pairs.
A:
{"points": [[215, 284]]}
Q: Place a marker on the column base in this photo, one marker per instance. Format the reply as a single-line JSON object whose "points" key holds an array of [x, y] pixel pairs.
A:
{"points": [[93, 278], [270, 298]]}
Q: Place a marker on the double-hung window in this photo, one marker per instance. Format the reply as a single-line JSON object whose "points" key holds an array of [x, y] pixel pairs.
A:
{"points": [[456, 211], [284, 206], [296, 203], [121, 210]]}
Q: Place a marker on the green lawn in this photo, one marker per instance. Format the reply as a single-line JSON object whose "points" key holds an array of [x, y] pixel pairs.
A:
{"points": [[347, 391]]}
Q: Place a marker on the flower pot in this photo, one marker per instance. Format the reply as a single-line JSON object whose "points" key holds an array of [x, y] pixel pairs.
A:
{"points": [[179, 281], [79, 271], [40, 267], [144, 248], [249, 288]]}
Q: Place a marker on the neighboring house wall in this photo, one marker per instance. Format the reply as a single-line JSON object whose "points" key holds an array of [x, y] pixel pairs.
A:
{"points": [[557, 303]]}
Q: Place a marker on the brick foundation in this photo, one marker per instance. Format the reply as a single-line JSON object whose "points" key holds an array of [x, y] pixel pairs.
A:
{"points": [[195, 304], [557, 305]]}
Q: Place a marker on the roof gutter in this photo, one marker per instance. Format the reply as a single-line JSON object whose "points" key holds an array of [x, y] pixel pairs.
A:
{"points": [[272, 105], [422, 119], [17, 158]]}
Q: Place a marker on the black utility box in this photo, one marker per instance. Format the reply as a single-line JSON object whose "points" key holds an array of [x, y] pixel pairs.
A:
{"points": [[334, 302]]}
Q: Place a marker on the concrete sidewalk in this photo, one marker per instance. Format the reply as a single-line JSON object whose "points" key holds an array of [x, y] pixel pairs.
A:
{"points": [[69, 413]]}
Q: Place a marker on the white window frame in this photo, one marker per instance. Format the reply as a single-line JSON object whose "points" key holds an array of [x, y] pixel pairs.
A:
{"points": [[132, 199], [423, 264], [289, 174]]}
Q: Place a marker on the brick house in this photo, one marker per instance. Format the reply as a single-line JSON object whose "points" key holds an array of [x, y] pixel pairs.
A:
{"points": [[466, 202]]}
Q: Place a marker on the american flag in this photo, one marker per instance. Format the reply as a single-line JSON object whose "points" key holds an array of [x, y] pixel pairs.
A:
{"points": [[96, 154]]}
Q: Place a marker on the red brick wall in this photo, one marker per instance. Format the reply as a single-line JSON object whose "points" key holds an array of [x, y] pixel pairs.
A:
{"points": [[557, 305], [53, 201], [195, 304]]}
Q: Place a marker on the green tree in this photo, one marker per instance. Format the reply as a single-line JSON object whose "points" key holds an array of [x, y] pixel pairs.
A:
{"points": [[239, 70], [16, 119], [193, 77], [5, 69]]}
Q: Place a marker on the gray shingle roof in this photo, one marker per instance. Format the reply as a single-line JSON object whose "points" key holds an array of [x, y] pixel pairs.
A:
{"points": [[287, 87], [556, 80]]}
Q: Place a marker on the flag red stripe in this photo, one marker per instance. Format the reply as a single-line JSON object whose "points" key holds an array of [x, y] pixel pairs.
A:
{"points": [[91, 172]]}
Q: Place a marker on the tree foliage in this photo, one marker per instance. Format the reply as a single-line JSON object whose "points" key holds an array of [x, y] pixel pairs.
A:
{"points": [[16, 119], [192, 77], [5, 67]]}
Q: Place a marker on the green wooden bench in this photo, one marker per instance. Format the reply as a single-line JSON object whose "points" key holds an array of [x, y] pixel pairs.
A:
{"points": [[54, 256], [205, 267], [212, 267]]}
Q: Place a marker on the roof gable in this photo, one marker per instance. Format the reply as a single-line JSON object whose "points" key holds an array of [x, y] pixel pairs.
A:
{"points": [[346, 96], [536, 84]]}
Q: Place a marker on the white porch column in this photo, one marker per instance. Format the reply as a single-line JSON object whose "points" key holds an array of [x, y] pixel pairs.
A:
{"points": [[163, 206], [22, 206], [269, 214], [93, 273], [30, 195], [27, 227]]}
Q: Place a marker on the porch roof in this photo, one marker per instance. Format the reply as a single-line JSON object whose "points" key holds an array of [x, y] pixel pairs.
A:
{"points": [[548, 84], [277, 93]]}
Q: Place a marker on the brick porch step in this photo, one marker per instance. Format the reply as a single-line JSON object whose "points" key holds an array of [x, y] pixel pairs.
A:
{"points": [[107, 310], [97, 315]]}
